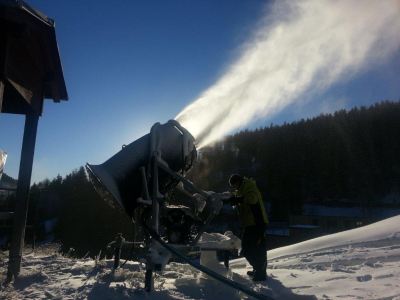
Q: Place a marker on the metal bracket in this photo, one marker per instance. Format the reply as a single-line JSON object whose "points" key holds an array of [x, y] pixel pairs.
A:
{"points": [[204, 194]]}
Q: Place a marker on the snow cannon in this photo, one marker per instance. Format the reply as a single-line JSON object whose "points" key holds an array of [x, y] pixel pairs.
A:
{"points": [[127, 178], [143, 179], [147, 180]]}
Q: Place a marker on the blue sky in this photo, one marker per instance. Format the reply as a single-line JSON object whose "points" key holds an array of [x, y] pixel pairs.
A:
{"points": [[129, 64]]}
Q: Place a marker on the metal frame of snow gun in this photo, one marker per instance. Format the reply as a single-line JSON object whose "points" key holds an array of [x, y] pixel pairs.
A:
{"points": [[150, 266], [157, 163], [188, 183]]}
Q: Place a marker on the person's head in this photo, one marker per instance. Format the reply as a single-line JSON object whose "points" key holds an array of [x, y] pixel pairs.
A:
{"points": [[235, 181]]}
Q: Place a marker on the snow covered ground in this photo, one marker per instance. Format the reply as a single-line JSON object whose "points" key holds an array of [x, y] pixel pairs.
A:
{"points": [[363, 263]]}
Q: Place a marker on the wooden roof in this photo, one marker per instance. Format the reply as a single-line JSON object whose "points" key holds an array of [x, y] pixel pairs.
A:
{"points": [[30, 64]]}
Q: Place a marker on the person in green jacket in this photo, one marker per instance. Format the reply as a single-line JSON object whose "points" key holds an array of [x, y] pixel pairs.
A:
{"points": [[253, 219]]}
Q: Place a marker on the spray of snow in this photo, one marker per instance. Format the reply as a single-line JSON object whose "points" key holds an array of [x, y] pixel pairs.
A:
{"points": [[300, 48]]}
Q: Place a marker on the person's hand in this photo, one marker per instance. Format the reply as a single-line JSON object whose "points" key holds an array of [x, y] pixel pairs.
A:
{"points": [[236, 200], [225, 197]]}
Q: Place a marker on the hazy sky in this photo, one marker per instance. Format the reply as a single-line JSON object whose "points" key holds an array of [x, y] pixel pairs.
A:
{"points": [[129, 64]]}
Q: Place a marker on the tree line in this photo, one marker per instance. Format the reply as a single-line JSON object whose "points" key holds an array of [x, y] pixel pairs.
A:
{"points": [[352, 155]]}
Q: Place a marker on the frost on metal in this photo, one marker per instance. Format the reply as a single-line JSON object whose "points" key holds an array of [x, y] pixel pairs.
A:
{"points": [[3, 157]]}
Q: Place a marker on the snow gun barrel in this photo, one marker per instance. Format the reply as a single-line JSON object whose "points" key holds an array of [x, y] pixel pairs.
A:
{"points": [[120, 178]]}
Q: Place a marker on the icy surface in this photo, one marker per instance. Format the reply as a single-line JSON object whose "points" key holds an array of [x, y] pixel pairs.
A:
{"points": [[351, 212], [363, 263]]}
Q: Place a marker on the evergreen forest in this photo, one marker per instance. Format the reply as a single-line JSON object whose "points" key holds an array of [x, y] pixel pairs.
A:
{"points": [[349, 155]]}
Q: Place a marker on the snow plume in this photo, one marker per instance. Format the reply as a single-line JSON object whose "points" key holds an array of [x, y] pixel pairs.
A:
{"points": [[301, 47]]}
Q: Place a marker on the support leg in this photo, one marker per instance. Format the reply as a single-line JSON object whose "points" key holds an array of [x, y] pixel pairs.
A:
{"points": [[226, 259], [117, 258], [149, 283]]}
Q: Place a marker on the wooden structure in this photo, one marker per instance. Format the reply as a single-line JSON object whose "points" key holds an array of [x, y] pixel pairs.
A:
{"points": [[30, 71]]}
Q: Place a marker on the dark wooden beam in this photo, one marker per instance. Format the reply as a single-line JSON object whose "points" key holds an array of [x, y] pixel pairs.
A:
{"points": [[3, 51], [1, 93], [22, 196], [24, 67]]}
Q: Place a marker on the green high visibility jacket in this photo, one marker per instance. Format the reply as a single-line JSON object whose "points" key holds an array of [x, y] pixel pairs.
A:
{"points": [[251, 210]]}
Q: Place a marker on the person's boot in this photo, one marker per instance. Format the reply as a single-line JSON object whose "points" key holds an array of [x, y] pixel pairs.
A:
{"points": [[251, 273], [260, 275]]}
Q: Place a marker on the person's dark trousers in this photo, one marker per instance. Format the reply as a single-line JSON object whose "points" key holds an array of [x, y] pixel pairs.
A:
{"points": [[254, 248]]}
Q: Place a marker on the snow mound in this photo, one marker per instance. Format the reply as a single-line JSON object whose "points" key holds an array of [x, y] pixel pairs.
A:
{"points": [[380, 234]]}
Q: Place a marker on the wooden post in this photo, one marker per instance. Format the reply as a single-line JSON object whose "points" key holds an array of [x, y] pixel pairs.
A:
{"points": [[3, 53], [1, 92], [22, 196]]}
